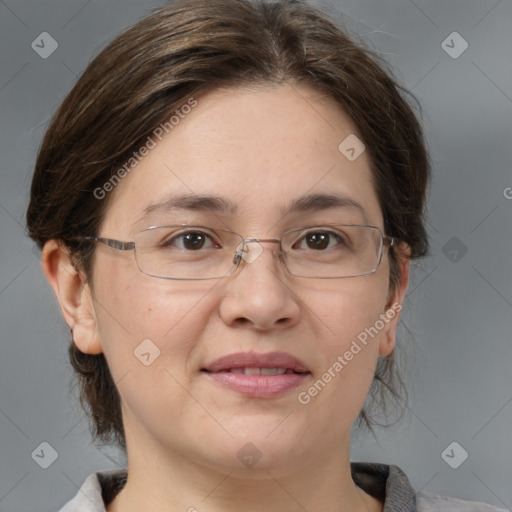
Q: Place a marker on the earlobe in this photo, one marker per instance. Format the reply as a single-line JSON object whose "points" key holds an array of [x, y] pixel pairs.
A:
{"points": [[391, 315], [73, 294]]}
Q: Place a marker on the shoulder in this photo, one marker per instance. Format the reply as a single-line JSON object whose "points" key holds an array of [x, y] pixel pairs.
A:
{"points": [[426, 502], [390, 484], [98, 490]]}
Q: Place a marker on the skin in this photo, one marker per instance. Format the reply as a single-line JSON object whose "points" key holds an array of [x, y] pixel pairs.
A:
{"points": [[261, 148]]}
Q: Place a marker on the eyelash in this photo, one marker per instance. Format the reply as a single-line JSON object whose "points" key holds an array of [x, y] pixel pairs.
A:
{"points": [[171, 240]]}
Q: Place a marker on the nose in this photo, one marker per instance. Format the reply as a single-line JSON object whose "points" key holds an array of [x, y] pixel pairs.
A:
{"points": [[258, 295]]}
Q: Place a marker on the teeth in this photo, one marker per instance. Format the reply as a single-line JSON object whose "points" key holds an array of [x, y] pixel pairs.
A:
{"points": [[273, 371], [264, 371], [252, 371]]}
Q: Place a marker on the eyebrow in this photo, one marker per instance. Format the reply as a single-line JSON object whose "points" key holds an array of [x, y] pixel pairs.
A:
{"points": [[318, 202], [206, 203], [221, 205]]}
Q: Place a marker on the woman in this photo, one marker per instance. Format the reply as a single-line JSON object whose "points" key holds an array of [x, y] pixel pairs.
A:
{"points": [[227, 204]]}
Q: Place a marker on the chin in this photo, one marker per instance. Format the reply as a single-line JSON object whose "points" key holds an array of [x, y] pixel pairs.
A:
{"points": [[256, 450]]}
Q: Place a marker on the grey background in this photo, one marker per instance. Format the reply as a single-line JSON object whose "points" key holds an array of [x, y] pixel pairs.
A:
{"points": [[459, 305]]}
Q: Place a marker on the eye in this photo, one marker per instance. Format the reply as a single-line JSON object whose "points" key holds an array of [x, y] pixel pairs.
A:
{"points": [[319, 241], [191, 241]]}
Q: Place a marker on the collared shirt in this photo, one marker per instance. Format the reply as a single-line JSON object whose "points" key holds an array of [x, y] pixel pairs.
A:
{"points": [[386, 483]]}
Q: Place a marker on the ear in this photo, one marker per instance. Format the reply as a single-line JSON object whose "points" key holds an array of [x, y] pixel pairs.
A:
{"points": [[74, 296], [391, 314]]}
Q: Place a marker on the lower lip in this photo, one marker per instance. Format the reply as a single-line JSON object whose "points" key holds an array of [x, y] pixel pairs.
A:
{"points": [[258, 386]]}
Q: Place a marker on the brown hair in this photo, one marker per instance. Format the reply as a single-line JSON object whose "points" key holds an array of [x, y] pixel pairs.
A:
{"points": [[185, 50]]}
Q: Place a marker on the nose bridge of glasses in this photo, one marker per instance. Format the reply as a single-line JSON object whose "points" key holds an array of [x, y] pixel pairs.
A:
{"points": [[250, 255]]}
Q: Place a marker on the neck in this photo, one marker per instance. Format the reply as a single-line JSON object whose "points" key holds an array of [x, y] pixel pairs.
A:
{"points": [[161, 481]]}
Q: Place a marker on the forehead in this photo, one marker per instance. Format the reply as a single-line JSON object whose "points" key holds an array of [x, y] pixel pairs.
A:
{"points": [[261, 149]]}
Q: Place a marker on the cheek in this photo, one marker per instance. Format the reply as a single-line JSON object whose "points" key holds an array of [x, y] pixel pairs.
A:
{"points": [[138, 315], [344, 308], [149, 329], [347, 315]]}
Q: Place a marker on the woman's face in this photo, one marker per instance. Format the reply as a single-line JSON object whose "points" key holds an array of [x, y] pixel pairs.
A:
{"points": [[260, 151]]}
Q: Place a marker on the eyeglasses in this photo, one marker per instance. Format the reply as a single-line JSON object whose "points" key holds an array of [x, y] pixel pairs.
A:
{"points": [[186, 252]]}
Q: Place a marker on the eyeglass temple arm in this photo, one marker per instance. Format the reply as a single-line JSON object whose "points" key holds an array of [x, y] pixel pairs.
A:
{"points": [[115, 244], [388, 241]]}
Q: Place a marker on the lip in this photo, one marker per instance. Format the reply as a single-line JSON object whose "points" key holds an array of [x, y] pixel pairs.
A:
{"points": [[254, 360], [257, 386]]}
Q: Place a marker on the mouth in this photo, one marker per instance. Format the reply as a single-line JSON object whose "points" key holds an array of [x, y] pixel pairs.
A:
{"points": [[257, 371], [258, 375]]}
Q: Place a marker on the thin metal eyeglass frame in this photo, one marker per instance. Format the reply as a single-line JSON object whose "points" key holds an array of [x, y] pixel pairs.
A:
{"points": [[119, 245]]}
